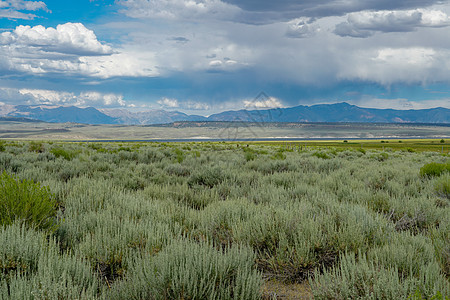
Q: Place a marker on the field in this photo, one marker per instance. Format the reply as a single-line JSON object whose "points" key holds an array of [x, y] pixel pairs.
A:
{"points": [[215, 220]]}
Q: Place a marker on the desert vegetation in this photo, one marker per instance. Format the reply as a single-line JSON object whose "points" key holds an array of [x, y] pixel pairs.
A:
{"points": [[219, 220]]}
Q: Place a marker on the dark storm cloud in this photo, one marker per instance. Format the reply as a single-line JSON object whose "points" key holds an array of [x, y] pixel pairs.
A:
{"points": [[289, 9], [179, 39]]}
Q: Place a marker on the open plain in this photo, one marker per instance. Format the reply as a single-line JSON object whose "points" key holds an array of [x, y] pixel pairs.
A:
{"points": [[224, 220]]}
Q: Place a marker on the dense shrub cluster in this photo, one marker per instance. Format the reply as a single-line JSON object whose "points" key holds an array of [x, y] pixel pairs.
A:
{"points": [[434, 169], [211, 220], [26, 202]]}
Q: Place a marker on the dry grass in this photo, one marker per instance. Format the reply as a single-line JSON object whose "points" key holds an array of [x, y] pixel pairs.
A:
{"points": [[274, 289]]}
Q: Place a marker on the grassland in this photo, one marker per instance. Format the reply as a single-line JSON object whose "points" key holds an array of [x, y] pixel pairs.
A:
{"points": [[225, 220], [387, 145]]}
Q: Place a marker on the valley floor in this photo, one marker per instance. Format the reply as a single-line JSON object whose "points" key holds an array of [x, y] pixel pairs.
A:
{"points": [[219, 131], [216, 220]]}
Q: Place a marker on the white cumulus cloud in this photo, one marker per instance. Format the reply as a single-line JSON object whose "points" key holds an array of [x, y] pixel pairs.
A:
{"points": [[106, 100], [69, 38], [266, 103], [62, 98], [215, 63], [366, 23], [168, 103], [69, 49]]}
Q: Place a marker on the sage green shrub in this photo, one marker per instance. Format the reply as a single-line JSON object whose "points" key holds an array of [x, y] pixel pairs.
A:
{"points": [[31, 267], [131, 216], [356, 278], [442, 186], [187, 270], [207, 178]]}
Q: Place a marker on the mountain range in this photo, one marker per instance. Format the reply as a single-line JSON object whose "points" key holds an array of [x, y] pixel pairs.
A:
{"points": [[339, 112]]}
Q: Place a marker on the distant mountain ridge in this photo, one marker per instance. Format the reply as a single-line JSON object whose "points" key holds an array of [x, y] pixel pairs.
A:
{"points": [[339, 112], [60, 114], [155, 116]]}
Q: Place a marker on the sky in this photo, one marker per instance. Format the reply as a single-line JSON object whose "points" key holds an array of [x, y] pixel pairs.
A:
{"points": [[207, 56]]}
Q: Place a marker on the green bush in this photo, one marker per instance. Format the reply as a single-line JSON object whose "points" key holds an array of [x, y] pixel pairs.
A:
{"points": [[23, 251], [61, 152], [322, 155], [31, 267], [362, 278], [442, 186], [434, 169], [187, 270], [249, 154], [380, 156], [179, 155], [26, 201], [36, 147], [208, 178], [418, 296], [279, 155]]}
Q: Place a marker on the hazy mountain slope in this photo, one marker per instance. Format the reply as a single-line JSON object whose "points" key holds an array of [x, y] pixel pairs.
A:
{"points": [[155, 116], [62, 114], [339, 112]]}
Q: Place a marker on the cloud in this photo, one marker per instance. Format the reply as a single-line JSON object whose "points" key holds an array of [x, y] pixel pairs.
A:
{"points": [[69, 38], [267, 11], [302, 28], [215, 63], [400, 103], [24, 5], [194, 105], [127, 63], [257, 12], [264, 103], [179, 39], [168, 103], [366, 23], [189, 105], [57, 98], [124, 64], [423, 57], [105, 100], [70, 49], [10, 9], [389, 65], [178, 9]]}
